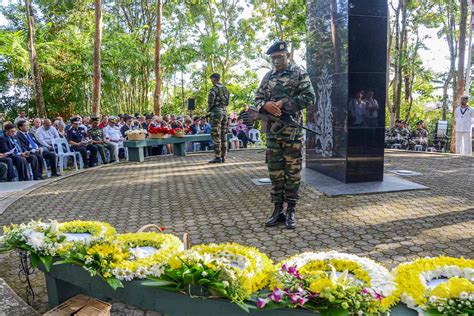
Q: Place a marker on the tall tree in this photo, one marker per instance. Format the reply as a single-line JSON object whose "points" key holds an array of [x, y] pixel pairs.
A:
{"points": [[97, 60], [461, 62], [156, 96], [35, 71]]}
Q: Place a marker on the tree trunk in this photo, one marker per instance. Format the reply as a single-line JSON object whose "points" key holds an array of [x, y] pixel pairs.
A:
{"points": [[460, 70], [35, 72], [397, 71], [156, 96], [97, 44], [401, 58]]}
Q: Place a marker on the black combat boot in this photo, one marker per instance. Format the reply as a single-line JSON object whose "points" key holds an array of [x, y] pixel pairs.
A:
{"points": [[222, 159], [290, 222], [216, 160], [277, 216]]}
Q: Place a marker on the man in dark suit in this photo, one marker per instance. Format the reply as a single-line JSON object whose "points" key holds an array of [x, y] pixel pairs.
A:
{"points": [[29, 143], [12, 149]]}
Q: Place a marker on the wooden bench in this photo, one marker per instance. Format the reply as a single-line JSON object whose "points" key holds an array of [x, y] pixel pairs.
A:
{"points": [[136, 152]]}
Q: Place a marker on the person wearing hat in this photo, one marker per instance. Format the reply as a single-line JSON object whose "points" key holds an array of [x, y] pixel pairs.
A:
{"points": [[113, 137], [217, 102], [97, 136], [420, 135], [463, 116], [286, 88], [78, 141]]}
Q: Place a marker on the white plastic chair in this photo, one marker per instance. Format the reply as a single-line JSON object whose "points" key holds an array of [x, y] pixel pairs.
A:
{"points": [[256, 137], [63, 151]]}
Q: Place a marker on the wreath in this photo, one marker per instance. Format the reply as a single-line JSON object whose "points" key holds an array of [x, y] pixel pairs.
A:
{"points": [[149, 251], [437, 285]]}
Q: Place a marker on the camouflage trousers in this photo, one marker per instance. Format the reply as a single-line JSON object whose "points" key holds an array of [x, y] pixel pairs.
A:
{"points": [[284, 161], [101, 149], [218, 123]]}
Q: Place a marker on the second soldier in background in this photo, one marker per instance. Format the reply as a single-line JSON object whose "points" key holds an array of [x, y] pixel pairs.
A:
{"points": [[284, 90], [218, 100]]}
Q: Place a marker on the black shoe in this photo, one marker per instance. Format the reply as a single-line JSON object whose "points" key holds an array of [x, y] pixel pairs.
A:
{"points": [[55, 175], [216, 160], [222, 159], [38, 178], [277, 217], [290, 222]]}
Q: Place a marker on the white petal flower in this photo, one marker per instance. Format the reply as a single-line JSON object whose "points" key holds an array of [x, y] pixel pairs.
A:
{"points": [[36, 240]]}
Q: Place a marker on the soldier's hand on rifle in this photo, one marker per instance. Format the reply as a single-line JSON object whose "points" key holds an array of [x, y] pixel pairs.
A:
{"points": [[273, 108]]}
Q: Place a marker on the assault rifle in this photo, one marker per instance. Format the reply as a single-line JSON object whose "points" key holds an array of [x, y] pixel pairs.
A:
{"points": [[286, 119]]}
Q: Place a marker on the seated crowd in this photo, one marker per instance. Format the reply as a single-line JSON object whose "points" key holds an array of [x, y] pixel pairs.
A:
{"points": [[29, 145], [401, 137]]}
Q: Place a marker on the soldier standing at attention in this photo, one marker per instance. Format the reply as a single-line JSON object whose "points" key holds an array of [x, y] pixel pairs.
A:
{"points": [[97, 135], [284, 90], [217, 101]]}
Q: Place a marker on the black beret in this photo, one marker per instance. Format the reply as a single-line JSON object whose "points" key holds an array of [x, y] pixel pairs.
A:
{"points": [[75, 120], [94, 119], [279, 46], [419, 122], [215, 75]]}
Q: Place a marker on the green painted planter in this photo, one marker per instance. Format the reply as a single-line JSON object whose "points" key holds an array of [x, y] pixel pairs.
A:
{"points": [[66, 280]]}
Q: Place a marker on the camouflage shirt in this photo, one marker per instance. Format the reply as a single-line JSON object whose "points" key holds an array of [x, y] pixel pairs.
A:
{"points": [[96, 134], [420, 132], [218, 98], [293, 86]]}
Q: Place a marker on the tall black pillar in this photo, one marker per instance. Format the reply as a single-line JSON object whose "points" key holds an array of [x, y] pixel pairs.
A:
{"points": [[346, 60]]}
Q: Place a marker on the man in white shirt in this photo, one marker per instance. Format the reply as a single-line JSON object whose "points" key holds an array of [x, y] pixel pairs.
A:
{"points": [[463, 116], [112, 135], [46, 134]]}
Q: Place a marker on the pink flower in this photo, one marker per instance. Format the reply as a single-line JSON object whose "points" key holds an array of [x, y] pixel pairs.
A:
{"points": [[302, 300], [284, 268], [377, 296], [300, 288], [294, 298], [261, 303], [276, 295]]}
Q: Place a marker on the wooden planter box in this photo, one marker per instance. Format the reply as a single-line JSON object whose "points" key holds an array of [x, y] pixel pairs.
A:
{"points": [[66, 280]]}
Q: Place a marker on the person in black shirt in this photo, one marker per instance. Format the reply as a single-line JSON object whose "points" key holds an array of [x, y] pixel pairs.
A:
{"points": [[76, 136]]}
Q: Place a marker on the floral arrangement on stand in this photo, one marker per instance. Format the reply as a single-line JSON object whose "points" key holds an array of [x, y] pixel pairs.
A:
{"points": [[41, 240], [178, 132], [149, 254], [227, 270], [159, 131], [136, 134], [437, 286], [331, 283]]}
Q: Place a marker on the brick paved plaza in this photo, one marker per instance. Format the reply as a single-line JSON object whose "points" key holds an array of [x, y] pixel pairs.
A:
{"points": [[219, 203]]}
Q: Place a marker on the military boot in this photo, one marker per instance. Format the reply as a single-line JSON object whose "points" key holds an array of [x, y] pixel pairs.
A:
{"points": [[290, 222], [277, 216], [216, 160], [222, 159]]}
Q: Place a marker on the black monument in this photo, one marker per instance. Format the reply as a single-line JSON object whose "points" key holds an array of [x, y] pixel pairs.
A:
{"points": [[346, 60]]}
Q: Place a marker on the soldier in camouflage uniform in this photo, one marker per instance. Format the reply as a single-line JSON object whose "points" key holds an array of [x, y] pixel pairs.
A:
{"points": [[217, 101], [420, 135], [97, 135], [284, 90]]}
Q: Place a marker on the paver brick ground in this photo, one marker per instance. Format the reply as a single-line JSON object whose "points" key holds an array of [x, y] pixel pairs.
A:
{"points": [[219, 203]]}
